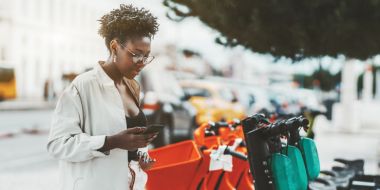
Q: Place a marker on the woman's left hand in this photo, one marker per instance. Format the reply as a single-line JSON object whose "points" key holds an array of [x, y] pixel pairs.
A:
{"points": [[145, 161]]}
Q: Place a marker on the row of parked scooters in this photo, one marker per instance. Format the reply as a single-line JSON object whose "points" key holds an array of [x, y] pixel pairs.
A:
{"points": [[347, 175], [254, 153]]}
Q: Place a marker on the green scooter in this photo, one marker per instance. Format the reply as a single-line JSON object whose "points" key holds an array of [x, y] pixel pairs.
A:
{"points": [[278, 167]]}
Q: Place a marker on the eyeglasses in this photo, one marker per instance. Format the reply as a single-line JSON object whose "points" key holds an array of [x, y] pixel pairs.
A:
{"points": [[139, 58]]}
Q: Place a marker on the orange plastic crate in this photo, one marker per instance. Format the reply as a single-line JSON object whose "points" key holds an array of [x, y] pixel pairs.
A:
{"points": [[213, 141], [175, 167]]}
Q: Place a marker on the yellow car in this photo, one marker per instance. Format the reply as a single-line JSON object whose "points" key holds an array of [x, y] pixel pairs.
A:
{"points": [[212, 101], [7, 83]]}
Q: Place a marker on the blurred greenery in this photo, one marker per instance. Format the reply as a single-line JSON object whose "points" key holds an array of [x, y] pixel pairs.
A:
{"points": [[327, 81], [321, 78], [294, 29], [361, 82]]}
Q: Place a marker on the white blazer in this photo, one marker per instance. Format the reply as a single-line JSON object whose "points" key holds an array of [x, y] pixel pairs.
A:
{"points": [[88, 110]]}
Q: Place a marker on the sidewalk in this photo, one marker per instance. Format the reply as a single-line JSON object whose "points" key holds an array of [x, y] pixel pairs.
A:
{"points": [[26, 104], [28, 116], [26, 164], [332, 143]]}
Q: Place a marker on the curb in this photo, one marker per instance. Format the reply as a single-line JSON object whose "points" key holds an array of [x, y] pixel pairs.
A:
{"points": [[26, 131], [7, 135], [25, 106]]}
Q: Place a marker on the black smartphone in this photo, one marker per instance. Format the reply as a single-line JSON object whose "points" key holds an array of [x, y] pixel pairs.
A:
{"points": [[153, 128]]}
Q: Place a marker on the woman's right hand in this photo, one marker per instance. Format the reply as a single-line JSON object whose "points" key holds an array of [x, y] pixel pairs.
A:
{"points": [[131, 139]]}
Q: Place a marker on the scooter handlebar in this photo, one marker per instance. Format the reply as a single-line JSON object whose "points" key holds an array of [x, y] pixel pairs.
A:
{"points": [[235, 154], [251, 123], [296, 122], [285, 126]]}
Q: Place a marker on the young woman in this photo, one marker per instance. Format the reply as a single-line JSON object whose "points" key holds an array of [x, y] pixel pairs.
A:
{"points": [[97, 126]]}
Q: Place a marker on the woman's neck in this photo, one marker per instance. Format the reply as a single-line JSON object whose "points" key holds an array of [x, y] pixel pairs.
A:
{"points": [[112, 71]]}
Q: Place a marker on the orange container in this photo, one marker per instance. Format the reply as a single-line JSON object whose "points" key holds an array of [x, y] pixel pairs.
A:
{"points": [[199, 134], [212, 141], [175, 167]]}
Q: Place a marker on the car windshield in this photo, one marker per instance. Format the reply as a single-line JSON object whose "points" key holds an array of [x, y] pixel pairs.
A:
{"points": [[200, 92]]}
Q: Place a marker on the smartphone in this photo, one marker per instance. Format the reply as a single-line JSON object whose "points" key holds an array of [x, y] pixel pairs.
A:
{"points": [[153, 128]]}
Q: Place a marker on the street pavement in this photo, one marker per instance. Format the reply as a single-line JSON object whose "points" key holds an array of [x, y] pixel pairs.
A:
{"points": [[17, 122], [26, 104], [25, 164]]}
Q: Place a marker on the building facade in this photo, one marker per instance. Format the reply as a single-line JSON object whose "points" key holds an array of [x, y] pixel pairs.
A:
{"points": [[44, 39]]}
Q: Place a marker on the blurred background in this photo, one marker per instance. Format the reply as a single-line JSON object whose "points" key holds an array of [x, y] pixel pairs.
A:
{"points": [[214, 70]]}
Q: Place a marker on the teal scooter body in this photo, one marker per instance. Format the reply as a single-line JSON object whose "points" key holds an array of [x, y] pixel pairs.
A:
{"points": [[293, 169], [283, 172], [295, 156], [310, 156]]}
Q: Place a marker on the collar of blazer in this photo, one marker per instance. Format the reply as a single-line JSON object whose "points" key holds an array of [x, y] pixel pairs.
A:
{"points": [[132, 84]]}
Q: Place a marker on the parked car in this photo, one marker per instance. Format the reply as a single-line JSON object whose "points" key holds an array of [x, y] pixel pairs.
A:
{"points": [[213, 101], [7, 83], [164, 102], [259, 101], [253, 97]]}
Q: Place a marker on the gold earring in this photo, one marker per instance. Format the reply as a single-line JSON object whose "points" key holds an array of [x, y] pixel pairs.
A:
{"points": [[114, 58]]}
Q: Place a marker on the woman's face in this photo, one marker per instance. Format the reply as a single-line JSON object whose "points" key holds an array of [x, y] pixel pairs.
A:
{"points": [[127, 56]]}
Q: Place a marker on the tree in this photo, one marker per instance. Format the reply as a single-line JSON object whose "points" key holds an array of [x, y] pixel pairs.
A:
{"points": [[290, 28], [360, 82], [325, 79]]}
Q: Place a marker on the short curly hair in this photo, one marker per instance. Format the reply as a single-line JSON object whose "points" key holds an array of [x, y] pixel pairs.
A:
{"points": [[127, 23]]}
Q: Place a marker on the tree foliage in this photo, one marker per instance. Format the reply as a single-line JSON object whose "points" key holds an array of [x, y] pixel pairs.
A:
{"points": [[290, 28]]}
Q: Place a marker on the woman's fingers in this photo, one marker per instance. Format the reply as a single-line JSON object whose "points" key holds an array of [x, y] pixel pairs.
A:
{"points": [[141, 140], [142, 144], [152, 138], [135, 130], [144, 137], [135, 144]]}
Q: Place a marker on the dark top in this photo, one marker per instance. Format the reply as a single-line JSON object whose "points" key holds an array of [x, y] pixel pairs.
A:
{"points": [[136, 121]]}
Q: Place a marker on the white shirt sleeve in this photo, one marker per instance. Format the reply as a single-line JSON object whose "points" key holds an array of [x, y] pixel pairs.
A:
{"points": [[66, 139]]}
